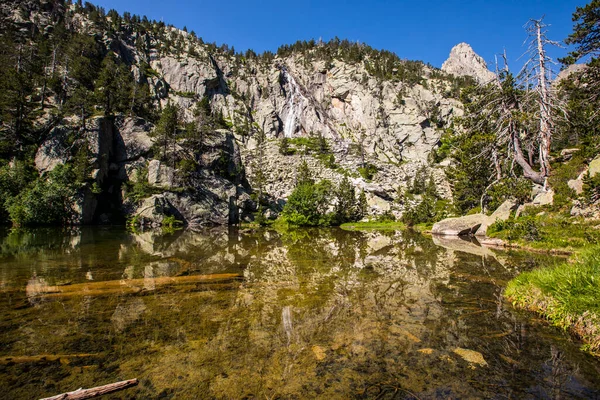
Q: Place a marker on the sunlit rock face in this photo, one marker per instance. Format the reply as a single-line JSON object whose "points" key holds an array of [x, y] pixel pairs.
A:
{"points": [[390, 121], [463, 61]]}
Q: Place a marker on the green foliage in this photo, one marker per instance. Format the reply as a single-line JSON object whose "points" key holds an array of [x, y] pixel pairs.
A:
{"points": [[259, 216], [81, 163], [309, 145], [13, 180], [47, 201], [430, 207], [547, 230], [428, 210], [140, 189], [525, 227], [367, 172], [586, 32], [471, 172], [591, 188], [303, 174], [559, 178], [518, 189], [566, 294], [166, 129], [284, 147], [113, 86], [308, 204], [347, 207], [170, 224]]}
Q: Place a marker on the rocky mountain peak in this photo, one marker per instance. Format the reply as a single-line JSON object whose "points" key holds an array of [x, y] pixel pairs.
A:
{"points": [[463, 61]]}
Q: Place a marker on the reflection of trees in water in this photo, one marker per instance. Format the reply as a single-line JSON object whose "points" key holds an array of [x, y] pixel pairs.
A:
{"points": [[320, 313]]}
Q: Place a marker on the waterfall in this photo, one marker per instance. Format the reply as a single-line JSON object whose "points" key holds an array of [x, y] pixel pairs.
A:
{"points": [[295, 102]]}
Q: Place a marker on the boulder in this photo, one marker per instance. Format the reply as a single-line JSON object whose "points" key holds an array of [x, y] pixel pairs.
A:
{"points": [[460, 226], [502, 213], [594, 167], [154, 209], [544, 198], [581, 210], [577, 184]]}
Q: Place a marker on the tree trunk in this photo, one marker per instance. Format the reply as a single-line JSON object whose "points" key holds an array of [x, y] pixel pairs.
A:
{"points": [[81, 394], [528, 172], [545, 134]]}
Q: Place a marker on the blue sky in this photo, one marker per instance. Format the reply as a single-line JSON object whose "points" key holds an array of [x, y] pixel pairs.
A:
{"points": [[416, 30]]}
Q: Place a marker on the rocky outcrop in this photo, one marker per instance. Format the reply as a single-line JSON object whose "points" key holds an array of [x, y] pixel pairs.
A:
{"points": [[132, 139], [389, 122], [463, 61], [54, 150], [160, 175]]}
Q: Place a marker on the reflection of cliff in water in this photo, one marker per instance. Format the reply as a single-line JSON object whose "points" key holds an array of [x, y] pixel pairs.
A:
{"points": [[313, 313]]}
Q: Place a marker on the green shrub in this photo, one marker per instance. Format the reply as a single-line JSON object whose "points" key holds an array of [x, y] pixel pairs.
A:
{"points": [[48, 201], [308, 203], [526, 227], [368, 171], [518, 189], [591, 188]]}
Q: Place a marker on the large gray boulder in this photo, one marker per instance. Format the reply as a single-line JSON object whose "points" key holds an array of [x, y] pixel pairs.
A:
{"points": [[543, 198], [460, 226], [577, 183]]}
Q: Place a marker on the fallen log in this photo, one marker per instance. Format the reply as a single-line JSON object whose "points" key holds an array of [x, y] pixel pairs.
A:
{"points": [[127, 285], [81, 394]]}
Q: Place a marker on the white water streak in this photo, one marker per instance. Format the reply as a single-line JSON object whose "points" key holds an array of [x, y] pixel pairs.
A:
{"points": [[294, 103]]}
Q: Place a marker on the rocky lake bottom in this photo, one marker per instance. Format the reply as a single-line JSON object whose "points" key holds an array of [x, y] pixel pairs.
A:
{"points": [[303, 313]]}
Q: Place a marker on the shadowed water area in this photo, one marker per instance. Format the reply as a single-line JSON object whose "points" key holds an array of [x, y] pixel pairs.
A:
{"points": [[233, 314]]}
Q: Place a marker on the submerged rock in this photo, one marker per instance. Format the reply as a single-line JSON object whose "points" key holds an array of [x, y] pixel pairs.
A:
{"points": [[471, 356]]}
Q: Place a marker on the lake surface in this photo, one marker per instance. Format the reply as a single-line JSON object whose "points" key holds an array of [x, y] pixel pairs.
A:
{"points": [[233, 314]]}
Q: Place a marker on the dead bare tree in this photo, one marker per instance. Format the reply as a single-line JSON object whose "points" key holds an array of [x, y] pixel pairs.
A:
{"points": [[537, 76]]}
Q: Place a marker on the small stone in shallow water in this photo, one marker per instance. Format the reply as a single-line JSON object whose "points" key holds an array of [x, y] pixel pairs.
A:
{"points": [[471, 356]]}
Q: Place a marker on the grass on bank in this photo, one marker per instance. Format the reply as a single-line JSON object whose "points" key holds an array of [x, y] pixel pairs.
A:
{"points": [[568, 295], [547, 231]]}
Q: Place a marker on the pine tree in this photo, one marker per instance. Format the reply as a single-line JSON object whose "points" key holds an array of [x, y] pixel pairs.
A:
{"points": [[345, 208], [166, 130]]}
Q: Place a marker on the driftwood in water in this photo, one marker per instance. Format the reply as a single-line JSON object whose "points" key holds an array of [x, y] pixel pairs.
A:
{"points": [[128, 285], [41, 358], [81, 394]]}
